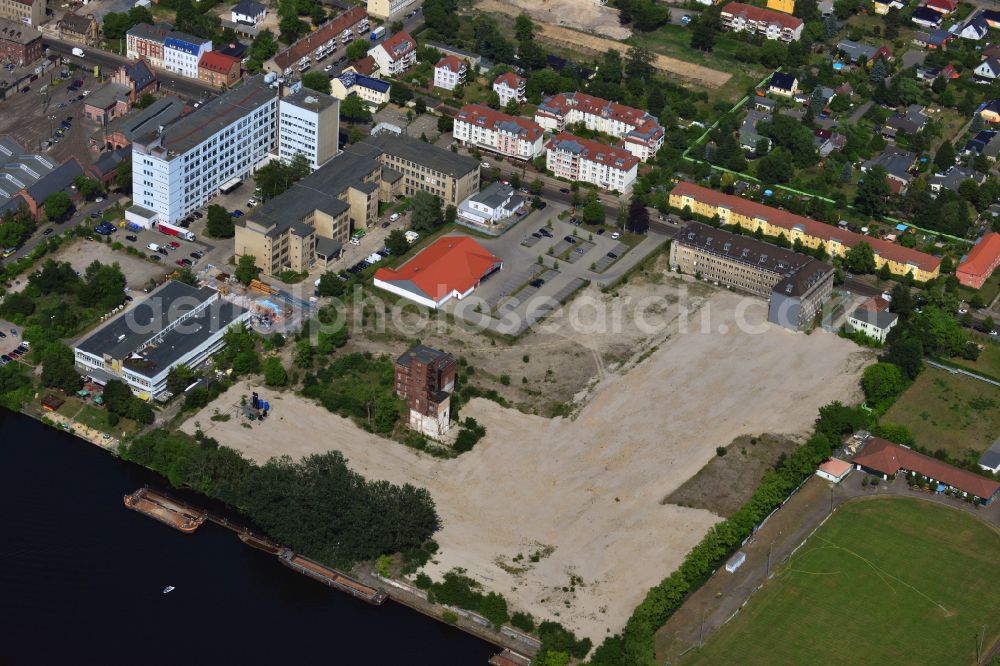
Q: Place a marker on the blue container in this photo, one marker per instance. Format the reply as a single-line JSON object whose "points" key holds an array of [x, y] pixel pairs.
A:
{"points": [[267, 406]]}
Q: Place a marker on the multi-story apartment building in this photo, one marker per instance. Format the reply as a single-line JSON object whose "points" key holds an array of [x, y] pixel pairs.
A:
{"points": [[835, 241], [19, 43], [27, 12], [396, 54], [312, 220], [333, 34], [639, 131], [389, 9], [450, 72], [374, 91], [756, 20], [482, 127], [978, 265], [218, 69], [177, 325], [425, 378], [509, 88], [796, 285], [79, 28], [588, 161], [179, 167], [416, 166], [146, 41], [183, 52], [308, 124]]}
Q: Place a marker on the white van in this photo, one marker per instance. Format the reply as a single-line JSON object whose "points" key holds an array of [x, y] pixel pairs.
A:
{"points": [[153, 247]]}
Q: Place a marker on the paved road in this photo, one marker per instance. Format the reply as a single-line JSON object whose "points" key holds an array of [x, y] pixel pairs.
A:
{"points": [[858, 112], [180, 85], [81, 215]]}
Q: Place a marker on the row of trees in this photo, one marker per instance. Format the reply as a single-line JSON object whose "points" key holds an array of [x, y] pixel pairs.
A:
{"points": [[316, 506], [357, 385]]}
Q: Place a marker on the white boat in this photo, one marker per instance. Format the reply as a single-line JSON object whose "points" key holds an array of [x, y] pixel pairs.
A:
{"points": [[168, 589]]}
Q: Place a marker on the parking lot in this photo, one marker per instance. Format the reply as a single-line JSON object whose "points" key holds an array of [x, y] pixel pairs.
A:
{"points": [[32, 119], [10, 337]]}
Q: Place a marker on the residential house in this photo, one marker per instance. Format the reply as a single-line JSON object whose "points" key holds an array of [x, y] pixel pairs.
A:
{"points": [[110, 101], [588, 161], [79, 28], [388, 10], [218, 70], [235, 49], [739, 17], [375, 92], [640, 132], [138, 77], [341, 30], [911, 121], [248, 12], [510, 87], [830, 143], [765, 104], [992, 149], [450, 72], [146, 41], [933, 40], [953, 177], [474, 60], [366, 67], [977, 144], [511, 136], [883, 7], [990, 111], [787, 6], [926, 17], [783, 84], [941, 6], [396, 54], [873, 319], [897, 164], [496, 203], [861, 54], [20, 44], [991, 16], [987, 70], [747, 134], [26, 12], [990, 460], [978, 265], [182, 53], [975, 28]]}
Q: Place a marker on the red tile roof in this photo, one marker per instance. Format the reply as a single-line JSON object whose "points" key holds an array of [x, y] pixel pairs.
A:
{"points": [[790, 221], [751, 13], [875, 304], [835, 467], [366, 65], [888, 458], [218, 62], [947, 6], [510, 79], [594, 151], [453, 63], [314, 40], [449, 264], [981, 260], [399, 45], [561, 104], [484, 116]]}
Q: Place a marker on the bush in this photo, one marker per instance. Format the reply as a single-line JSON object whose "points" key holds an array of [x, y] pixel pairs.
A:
{"points": [[523, 621], [469, 435], [720, 451], [423, 581]]}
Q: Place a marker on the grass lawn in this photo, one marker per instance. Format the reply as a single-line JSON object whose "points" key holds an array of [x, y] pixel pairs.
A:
{"points": [[988, 362], [675, 41], [884, 581], [988, 291], [949, 411], [95, 417]]}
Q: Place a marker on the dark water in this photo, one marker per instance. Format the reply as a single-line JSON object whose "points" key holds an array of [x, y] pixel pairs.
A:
{"points": [[81, 580]]}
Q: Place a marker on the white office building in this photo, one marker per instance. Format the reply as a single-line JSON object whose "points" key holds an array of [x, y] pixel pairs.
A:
{"points": [[182, 53], [308, 124], [179, 167], [176, 325]]}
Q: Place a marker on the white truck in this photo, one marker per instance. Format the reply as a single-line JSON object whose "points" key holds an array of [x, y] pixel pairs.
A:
{"points": [[377, 33], [77, 51], [153, 247]]}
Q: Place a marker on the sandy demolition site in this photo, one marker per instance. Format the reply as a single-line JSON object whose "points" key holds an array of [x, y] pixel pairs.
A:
{"points": [[583, 496], [579, 24]]}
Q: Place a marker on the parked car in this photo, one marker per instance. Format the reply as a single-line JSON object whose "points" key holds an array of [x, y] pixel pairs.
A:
{"points": [[162, 251], [198, 215], [569, 239], [545, 232], [612, 255], [186, 263], [564, 190], [48, 232], [685, 19], [237, 213], [537, 234], [394, 217], [174, 244], [385, 225], [537, 282], [197, 254], [615, 236], [132, 237], [155, 257], [485, 165], [180, 262]]}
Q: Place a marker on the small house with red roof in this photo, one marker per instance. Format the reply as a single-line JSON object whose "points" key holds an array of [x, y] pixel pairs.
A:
{"points": [[510, 87], [941, 6], [450, 72], [834, 470], [396, 54], [450, 267], [978, 265], [218, 70]]}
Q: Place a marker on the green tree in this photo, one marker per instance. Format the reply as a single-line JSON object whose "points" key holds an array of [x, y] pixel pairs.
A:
{"points": [[317, 81], [303, 354], [123, 178], [944, 158], [426, 213], [88, 187], [593, 211], [330, 284], [274, 372], [355, 110], [58, 370], [638, 216], [246, 268], [860, 259], [705, 29], [357, 49], [219, 222], [494, 608], [873, 193], [882, 381], [400, 94], [397, 243], [57, 206], [103, 286], [179, 378]]}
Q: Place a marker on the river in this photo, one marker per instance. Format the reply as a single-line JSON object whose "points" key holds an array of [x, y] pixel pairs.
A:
{"points": [[82, 579]]}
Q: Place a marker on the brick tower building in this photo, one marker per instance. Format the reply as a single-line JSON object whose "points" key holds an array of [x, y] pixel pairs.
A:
{"points": [[425, 378]]}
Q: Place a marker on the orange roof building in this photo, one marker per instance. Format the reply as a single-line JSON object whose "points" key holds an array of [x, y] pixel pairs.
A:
{"points": [[883, 457], [450, 267], [834, 470], [979, 264]]}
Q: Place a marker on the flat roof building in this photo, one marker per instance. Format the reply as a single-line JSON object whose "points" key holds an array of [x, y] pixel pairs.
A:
{"points": [[308, 125], [176, 325]]}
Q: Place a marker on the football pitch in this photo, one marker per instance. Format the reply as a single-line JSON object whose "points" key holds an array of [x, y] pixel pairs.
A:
{"points": [[884, 581]]}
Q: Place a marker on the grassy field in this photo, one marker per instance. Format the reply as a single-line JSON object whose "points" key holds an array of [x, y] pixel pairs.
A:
{"points": [[949, 411], [868, 588], [988, 362], [96, 417]]}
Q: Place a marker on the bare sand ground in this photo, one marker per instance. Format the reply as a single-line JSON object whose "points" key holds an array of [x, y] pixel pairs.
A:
{"points": [[81, 253], [583, 495], [579, 24]]}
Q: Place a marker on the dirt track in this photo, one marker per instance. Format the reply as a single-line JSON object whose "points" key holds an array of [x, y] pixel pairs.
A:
{"points": [[584, 495], [577, 40]]}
